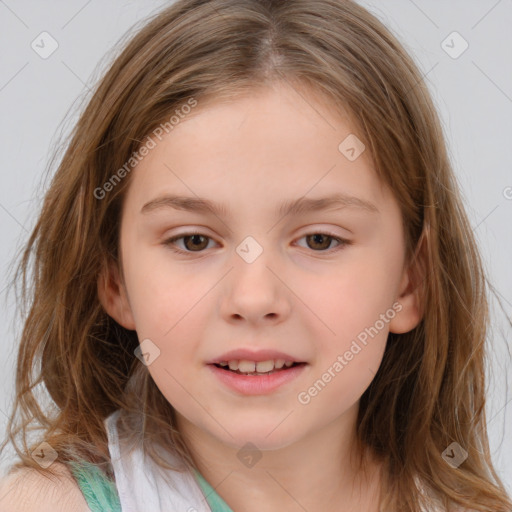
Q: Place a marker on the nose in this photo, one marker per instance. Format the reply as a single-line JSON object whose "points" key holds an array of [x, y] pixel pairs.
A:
{"points": [[253, 291]]}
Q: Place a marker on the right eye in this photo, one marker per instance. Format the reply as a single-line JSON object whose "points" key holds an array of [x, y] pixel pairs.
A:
{"points": [[193, 240]]}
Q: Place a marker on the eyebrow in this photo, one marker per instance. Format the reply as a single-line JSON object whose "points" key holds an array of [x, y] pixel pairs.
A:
{"points": [[292, 207]]}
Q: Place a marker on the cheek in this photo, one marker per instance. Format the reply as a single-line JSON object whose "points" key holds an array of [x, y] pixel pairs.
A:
{"points": [[343, 372], [351, 297], [355, 306], [162, 296], [167, 307]]}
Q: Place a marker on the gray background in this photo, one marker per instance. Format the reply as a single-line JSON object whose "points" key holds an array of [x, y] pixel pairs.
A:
{"points": [[39, 98]]}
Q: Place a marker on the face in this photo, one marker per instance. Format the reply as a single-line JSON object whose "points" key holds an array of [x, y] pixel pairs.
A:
{"points": [[321, 287]]}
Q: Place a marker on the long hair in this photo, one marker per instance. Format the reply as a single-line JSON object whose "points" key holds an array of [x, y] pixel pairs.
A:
{"points": [[429, 391]]}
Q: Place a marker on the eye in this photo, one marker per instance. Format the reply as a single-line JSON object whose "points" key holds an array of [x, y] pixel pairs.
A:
{"points": [[194, 242], [197, 242], [321, 241]]}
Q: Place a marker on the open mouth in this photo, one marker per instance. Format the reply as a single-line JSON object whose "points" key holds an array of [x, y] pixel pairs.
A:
{"points": [[287, 366]]}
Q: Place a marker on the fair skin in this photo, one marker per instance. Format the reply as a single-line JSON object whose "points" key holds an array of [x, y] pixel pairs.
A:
{"points": [[26, 490], [251, 154]]}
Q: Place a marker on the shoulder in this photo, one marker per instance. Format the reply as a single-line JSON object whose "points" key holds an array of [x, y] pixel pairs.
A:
{"points": [[27, 490]]}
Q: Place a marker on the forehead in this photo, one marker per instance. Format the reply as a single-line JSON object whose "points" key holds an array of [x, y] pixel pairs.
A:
{"points": [[258, 149]]}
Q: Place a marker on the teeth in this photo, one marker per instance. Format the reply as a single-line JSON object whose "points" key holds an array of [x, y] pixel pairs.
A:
{"points": [[245, 366], [264, 366]]}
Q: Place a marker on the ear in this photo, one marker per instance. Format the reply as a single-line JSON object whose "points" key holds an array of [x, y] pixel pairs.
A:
{"points": [[113, 297], [411, 292]]}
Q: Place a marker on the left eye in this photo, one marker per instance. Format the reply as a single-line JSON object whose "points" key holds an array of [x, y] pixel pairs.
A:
{"points": [[324, 240], [197, 242]]}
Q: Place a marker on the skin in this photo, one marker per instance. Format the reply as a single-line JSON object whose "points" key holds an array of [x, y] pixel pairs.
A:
{"points": [[308, 300]]}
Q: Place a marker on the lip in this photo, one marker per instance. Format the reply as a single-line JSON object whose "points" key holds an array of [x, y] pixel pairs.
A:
{"points": [[253, 355], [257, 384]]}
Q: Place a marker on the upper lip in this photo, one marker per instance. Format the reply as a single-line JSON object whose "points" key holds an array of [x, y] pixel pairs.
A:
{"points": [[253, 355]]}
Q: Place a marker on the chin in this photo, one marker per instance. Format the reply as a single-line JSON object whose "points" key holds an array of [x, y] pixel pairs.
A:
{"points": [[265, 435]]}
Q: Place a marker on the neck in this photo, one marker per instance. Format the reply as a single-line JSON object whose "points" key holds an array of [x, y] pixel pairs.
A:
{"points": [[320, 471]]}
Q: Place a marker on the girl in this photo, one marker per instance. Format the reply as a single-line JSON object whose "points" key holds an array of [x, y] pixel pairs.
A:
{"points": [[254, 284]]}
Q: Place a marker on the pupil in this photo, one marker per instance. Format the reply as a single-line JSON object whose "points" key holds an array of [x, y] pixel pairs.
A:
{"points": [[324, 237], [194, 237]]}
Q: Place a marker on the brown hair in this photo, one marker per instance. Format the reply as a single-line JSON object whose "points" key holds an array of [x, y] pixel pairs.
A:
{"points": [[429, 390]]}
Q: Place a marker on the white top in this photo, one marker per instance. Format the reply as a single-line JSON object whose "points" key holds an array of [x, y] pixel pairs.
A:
{"points": [[143, 486]]}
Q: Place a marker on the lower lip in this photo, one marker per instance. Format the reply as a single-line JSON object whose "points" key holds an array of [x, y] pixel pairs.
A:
{"points": [[256, 384]]}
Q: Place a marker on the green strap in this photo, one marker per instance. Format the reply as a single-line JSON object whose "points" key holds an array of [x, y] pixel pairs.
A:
{"points": [[101, 495], [99, 492], [216, 503]]}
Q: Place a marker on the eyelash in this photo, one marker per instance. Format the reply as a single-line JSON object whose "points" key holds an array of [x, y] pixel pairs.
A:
{"points": [[170, 242]]}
